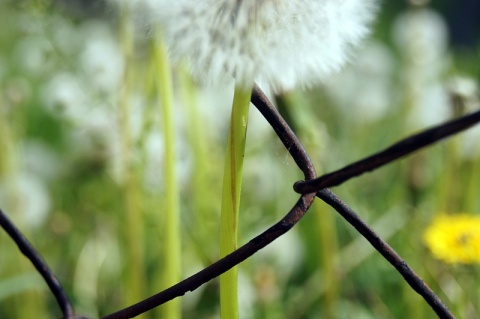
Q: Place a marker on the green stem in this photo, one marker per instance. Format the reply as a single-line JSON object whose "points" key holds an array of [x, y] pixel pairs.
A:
{"points": [[201, 196], [327, 233], [232, 180], [26, 304], [172, 270], [135, 274], [6, 142], [472, 186]]}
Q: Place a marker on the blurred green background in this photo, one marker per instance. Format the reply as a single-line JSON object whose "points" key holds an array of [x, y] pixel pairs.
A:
{"points": [[81, 147]]}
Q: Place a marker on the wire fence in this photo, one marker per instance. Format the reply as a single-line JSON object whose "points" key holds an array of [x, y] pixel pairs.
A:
{"points": [[311, 187]]}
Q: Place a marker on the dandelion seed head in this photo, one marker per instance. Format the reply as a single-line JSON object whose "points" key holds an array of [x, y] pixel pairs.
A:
{"points": [[274, 42]]}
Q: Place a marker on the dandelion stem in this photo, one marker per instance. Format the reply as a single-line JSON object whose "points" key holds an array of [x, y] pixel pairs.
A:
{"points": [[232, 181], [172, 270]]}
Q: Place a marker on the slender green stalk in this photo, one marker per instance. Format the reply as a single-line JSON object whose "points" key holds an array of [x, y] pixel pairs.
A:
{"points": [[327, 233], [30, 302], [6, 162], [135, 278], [232, 180], [172, 266], [448, 181], [472, 186], [201, 212]]}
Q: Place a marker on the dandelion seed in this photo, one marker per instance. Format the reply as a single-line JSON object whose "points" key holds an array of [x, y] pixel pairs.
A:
{"points": [[454, 239]]}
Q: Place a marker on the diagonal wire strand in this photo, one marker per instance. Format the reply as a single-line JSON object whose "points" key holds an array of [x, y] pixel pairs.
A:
{"points": [[400, 149], [387, 252], [29, 251]]}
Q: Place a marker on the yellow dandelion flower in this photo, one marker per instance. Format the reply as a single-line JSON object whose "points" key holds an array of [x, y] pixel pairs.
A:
{"points": [[454, 239]]}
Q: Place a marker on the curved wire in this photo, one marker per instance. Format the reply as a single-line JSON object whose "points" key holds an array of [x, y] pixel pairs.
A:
{"points": [[29, 251]]}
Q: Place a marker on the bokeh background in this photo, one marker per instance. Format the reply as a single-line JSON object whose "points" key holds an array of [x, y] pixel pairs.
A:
{"points": [[81, 168]]}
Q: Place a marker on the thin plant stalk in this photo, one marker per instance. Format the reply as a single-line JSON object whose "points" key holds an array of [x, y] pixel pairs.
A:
{"points": [[171, 229], [449, 181], [473, 185], [5, 142], [201, 196], [135, 274], [232, 180], [327, 233], [29, 302]]}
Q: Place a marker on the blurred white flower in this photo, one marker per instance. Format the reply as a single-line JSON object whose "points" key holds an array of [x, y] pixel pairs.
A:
{"points": [[65, 35], [466, 90], [277, 43], [33, 53], [422, 36], [26, 196], [432, 106], [64, 97], [39, 159], [365, 101], [101, 59]]}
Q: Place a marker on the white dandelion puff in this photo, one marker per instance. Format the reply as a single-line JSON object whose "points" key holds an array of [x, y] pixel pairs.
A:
{"points": [[277, 43], [422, 37]]}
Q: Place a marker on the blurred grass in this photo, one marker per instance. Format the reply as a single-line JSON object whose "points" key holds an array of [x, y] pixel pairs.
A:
{"points": [[62, 183]]}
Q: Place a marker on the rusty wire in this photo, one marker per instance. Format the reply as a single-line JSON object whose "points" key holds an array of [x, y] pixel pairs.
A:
{"points": [[42, 267], [398, 150]]}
